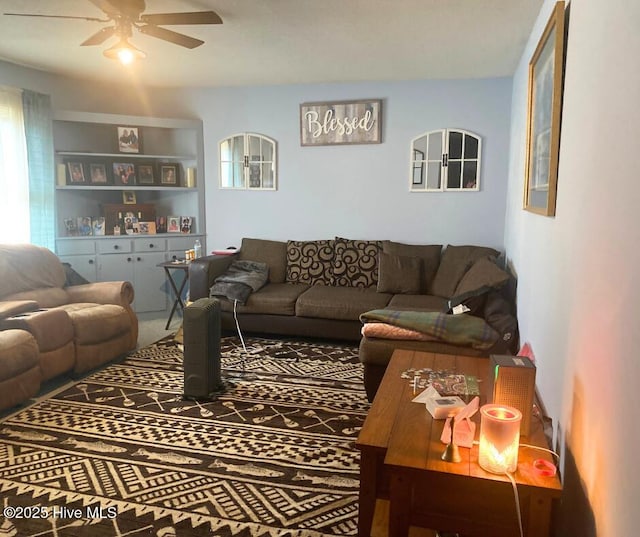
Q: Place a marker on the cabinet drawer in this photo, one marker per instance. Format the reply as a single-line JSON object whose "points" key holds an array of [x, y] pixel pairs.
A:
{"points": [[114, 246], [149, 245], [182, 243], [75, 247]]}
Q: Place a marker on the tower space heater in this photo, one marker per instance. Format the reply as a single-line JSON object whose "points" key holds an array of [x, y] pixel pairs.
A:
{"points": [[201, 333]]}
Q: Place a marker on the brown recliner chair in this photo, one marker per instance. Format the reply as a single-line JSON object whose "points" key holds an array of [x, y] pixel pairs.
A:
{"points": [[76, 328]]}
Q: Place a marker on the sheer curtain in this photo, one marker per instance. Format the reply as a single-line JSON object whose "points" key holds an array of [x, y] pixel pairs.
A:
{"points": [[38, 128], [14, 184]]}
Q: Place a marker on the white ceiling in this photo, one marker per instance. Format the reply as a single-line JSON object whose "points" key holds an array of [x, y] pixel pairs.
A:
{"points": [[264, 42]]}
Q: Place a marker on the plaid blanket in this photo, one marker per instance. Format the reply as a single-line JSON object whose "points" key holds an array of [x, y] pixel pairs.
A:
{"points": [[456, 329]]}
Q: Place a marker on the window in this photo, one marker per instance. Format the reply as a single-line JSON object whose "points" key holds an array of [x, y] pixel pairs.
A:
{"points": [[14, 178], [445, 160], [248, 160]]}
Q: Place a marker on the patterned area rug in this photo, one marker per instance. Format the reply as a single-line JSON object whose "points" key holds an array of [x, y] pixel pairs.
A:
{"points": [[120, 453]]}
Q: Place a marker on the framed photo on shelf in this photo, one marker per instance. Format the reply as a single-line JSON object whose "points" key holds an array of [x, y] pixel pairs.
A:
{"points": [[161, 224], [128, 140], [76, 173], [147, 228], [169, 174], [145, 174], [98, 225], [173, 224], [128, 197], [98, 174], [185, 224], [124, 173]]}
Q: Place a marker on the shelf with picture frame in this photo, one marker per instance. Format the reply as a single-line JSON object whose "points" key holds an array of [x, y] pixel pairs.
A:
{"points": [[167, 160]]}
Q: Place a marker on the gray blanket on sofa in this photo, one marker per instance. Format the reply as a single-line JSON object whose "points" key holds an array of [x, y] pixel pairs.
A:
{"points": [[240, 280]]}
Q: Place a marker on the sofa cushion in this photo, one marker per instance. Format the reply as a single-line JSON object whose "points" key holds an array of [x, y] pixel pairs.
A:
{"points": [[97, 323], [310, 262], [24, 267], [417, 303], [455, 262], [45, 297], [399, 274], [18, 353], [272, 299], [344, 303], [483, 275], [273, 253], [428, 253], [356, 263]]}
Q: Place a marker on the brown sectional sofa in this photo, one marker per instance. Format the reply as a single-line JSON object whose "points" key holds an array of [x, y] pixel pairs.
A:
{"points": [[321, 288], [48, 328]]}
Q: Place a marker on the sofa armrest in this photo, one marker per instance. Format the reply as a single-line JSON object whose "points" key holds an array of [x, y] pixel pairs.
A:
{"points": [[120, 293], [10, 308], [202, 272]]}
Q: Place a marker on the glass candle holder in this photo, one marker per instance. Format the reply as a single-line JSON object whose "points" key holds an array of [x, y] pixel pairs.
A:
{"points": [[499, 438]]}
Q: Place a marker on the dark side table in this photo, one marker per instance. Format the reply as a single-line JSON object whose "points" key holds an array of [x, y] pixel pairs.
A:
{"points": [[171, 268]]}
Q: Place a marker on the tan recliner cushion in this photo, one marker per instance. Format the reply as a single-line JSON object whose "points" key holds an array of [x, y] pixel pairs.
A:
{"points": [[95, 323]]}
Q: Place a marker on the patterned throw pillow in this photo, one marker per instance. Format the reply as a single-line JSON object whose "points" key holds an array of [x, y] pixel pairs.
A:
{"points": [[356, 263], [310, 262]]}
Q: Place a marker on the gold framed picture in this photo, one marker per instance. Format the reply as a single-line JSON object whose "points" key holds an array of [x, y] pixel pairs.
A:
{"points": [[128, 197], [546, 70]]}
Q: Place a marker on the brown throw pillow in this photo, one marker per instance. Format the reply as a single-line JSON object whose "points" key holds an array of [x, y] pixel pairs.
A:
{"points": [[356, 263], [273, 253], [483, 274], [428, 253], [455, 262], [310, 262], [399, 274]]}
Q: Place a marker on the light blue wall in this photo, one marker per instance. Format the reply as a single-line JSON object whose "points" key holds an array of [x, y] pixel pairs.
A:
{"points": [[358, 191]]}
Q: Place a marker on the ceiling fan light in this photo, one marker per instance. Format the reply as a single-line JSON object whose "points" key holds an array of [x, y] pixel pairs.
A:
{"points": [[125, 52]]}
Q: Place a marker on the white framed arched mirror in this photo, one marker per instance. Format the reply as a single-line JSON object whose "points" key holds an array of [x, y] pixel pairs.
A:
{"points": [[248, 161], [445, 160]]}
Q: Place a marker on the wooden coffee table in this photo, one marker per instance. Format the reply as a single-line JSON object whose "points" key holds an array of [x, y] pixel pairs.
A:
{"points": [[401, 460]]}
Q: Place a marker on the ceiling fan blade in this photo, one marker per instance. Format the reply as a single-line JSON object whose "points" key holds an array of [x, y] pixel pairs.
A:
{"points": [[116, 8], [92, 19], [195, 17], [99, 37], [171, 36]]}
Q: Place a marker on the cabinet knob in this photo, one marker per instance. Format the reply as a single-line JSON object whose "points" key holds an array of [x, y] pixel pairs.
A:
{"points": [[151, 245], [116, 247], [129, 259], [138, 259], [90, 261]]}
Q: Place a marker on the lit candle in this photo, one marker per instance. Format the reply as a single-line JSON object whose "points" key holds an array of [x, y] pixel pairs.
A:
{"points": [[499, 438]]}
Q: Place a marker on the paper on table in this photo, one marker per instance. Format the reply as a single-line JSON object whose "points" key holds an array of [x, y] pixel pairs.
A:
{"points": [[465, 429]]}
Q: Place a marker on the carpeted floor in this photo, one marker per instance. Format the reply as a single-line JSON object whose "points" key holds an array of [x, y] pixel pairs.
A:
{"points": [[120, 453]]}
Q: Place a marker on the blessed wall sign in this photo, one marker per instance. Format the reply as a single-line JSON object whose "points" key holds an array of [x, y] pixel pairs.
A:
{"points": [[341, 122]]}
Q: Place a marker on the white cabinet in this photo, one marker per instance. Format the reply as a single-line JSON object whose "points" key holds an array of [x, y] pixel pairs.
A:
{"points": [[133, 259], [142, 270], [90, 188]]}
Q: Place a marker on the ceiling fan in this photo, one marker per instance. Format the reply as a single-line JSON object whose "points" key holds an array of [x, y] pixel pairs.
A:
{"points": [[128, 14]]}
